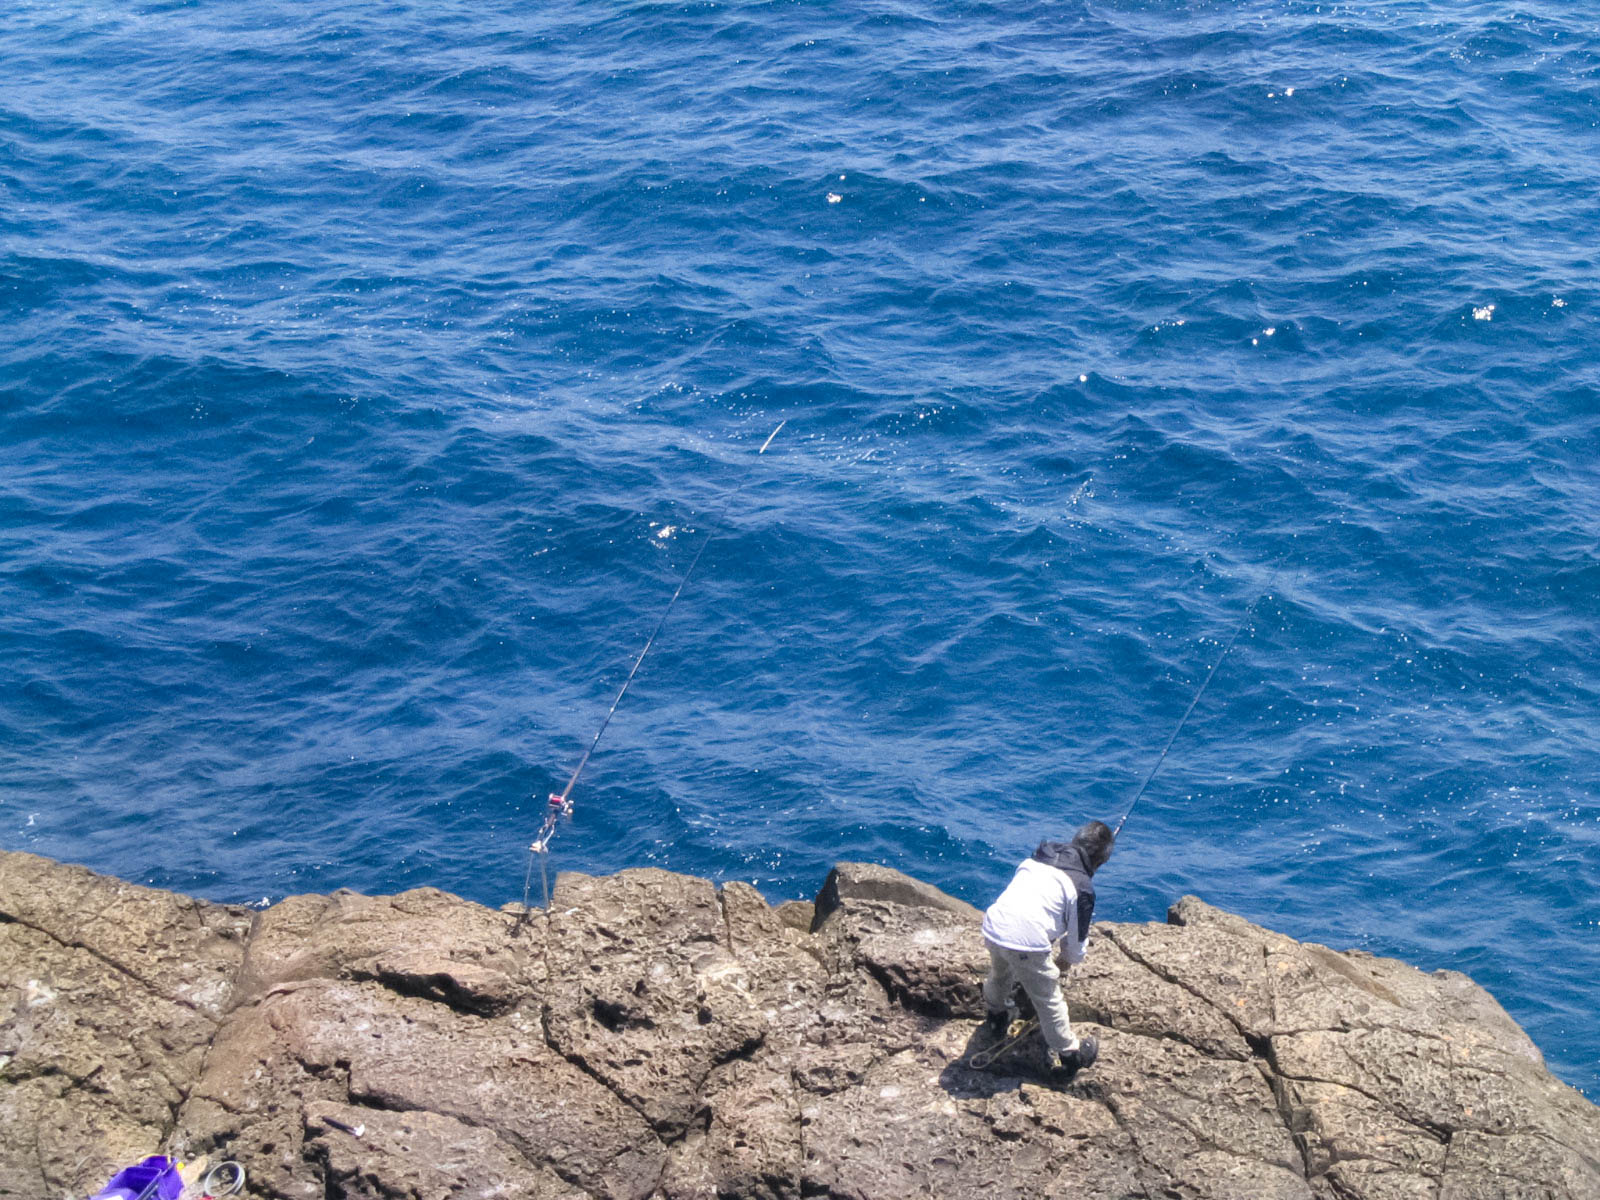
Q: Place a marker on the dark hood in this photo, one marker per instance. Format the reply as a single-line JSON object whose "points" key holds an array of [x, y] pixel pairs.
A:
{"points": [[1064, 856]]}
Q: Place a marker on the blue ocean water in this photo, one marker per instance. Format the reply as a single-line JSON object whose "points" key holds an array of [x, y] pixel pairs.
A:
{"points": [[372, 372]]}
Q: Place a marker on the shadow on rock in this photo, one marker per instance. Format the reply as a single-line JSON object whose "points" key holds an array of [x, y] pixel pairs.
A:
{"points": [[1022, 1063]]}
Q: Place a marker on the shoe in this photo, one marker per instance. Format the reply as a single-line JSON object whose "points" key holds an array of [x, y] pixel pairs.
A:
{"points": [[995, 1025], [1064, 1067]]}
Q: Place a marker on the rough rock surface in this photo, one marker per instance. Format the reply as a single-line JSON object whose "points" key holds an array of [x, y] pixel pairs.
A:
{"points": [[654, 1037]]}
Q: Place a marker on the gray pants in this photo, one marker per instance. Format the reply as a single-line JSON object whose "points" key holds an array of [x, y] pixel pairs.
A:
{"points": [[1036, 971]]}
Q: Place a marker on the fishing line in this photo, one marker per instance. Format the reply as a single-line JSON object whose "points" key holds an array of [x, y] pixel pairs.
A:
{"points": [[1248, 613], [560, 803]]}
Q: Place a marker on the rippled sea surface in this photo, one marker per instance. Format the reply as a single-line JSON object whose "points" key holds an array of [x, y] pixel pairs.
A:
{"points": [[371, 374]]}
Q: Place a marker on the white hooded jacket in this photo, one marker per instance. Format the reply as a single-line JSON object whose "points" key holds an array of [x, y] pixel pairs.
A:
{"points": [[1038, 908]]}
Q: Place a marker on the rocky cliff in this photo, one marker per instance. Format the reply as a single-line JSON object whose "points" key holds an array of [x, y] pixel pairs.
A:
{"points": [[654, 1036]]}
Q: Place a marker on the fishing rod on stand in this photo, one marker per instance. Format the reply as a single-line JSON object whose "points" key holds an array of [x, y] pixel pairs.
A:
{"points": [[559, 803], [1182, 721]]}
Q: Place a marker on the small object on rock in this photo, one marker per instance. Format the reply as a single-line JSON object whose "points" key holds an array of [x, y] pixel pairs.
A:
{"points": [[353, 1130], [224, 1179], [154, 1178]]}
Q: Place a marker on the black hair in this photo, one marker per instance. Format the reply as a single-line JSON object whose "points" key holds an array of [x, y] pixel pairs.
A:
{"points": [[1095, 840]]}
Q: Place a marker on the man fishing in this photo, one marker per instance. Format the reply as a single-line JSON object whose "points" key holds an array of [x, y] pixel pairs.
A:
{"points": [[1050, 899]]}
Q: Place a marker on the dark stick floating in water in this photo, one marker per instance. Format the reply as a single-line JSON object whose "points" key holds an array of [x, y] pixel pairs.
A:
{"points": [[560, 803]]}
